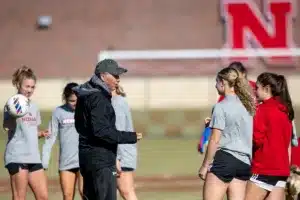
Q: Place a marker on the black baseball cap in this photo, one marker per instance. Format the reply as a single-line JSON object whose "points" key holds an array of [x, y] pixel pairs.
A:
{"points": [[109, 66]]}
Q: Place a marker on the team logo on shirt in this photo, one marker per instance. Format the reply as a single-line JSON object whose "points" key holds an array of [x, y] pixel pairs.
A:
{"points": [[29, 118], [68, 121]]}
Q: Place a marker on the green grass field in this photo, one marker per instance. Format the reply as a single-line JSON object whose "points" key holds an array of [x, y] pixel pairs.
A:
{"points": [[158, 157]]}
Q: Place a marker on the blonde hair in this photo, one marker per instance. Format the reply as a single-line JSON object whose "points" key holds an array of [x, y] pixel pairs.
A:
{"points": [[21, 74], [120, 91], [241, 87]]}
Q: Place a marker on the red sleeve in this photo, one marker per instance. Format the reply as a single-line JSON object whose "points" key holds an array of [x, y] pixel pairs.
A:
{"points": [[220, 98], [259, 127]]}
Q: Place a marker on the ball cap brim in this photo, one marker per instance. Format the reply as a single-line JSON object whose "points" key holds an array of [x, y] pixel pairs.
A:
{"points": [[109, 66]]}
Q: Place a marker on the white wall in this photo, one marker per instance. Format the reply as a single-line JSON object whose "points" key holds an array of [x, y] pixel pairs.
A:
{"points": [[162, 92]]}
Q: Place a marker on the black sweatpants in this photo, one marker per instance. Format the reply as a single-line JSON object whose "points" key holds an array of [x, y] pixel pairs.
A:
{"points": [[99, 184]]}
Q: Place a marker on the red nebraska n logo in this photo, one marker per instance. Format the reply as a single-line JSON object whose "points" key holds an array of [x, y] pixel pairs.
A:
{"points": [[247, 27]]}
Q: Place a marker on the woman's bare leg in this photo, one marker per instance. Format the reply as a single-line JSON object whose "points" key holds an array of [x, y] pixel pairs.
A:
{"points": [[126, 185], [214, 188], [254, 192], [38, 184], [236, 190], [19, 183], [68, 183]]}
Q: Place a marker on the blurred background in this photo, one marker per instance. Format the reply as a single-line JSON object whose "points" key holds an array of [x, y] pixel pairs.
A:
{"points": [[169, 93]]}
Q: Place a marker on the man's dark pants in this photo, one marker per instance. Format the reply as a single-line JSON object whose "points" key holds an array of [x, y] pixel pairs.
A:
{"points": [[99, 183]]}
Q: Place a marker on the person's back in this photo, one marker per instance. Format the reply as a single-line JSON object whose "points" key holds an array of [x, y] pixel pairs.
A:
{"points": [[227, 161], [272, 136], [236, 137]]}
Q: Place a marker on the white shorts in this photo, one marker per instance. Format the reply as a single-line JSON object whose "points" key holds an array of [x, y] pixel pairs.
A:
{"points": [[268, 182]]}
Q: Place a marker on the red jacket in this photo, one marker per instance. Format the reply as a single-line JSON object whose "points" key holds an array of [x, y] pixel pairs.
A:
{"points": [[251, 83], [272, 133]]}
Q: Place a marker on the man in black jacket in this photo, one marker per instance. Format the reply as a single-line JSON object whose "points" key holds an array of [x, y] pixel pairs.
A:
{"points": [[98, 137]]}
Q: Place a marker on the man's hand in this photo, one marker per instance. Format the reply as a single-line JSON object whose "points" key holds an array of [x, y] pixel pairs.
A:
{"points": [[139, 136]]}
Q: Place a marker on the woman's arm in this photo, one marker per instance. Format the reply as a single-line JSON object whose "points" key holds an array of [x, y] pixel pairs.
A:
{"points": [[217, 124], [212, 147], [294, 135], [259, 128], [50, 140]]}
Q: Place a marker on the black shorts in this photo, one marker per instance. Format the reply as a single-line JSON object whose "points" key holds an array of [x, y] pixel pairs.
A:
{"points": [[13, 168], [227, 167], [127, 169], [73, 170], [268, 182]]}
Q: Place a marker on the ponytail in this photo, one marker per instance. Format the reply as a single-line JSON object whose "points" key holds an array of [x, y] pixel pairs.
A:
{"points": [[284, 95], [245, 93]]}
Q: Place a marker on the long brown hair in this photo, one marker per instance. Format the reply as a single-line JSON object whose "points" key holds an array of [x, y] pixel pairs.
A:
{"points": [[279, 88], [241, 87], [21, 74]]}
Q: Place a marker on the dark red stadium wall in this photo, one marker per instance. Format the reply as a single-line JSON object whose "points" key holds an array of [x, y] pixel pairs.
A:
{"points": [[82, 28]]}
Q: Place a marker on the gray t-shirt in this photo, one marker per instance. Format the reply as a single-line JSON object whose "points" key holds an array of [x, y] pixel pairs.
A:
{"points": [[236, 124], [23, 144], [127, 153], [62, 125]]}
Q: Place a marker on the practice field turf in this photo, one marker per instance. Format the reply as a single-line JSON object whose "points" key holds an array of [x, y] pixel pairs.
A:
{"points": [[167, 167]]}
